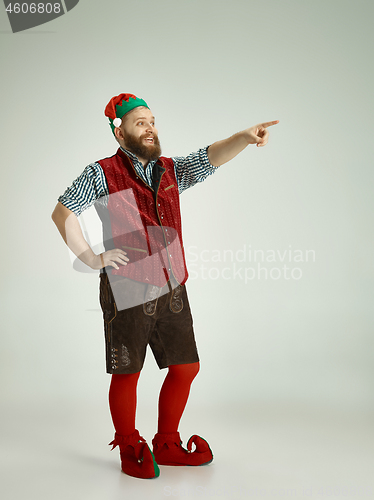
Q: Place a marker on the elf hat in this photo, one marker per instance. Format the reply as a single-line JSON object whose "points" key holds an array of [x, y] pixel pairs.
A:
{"points": [[118, 106]]}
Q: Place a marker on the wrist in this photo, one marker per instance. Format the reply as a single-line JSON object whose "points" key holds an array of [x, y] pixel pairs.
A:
{"points": [[91, 260], [246, 137]]}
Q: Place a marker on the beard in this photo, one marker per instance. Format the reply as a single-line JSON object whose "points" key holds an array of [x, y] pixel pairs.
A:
{"points": [[146, 152]]}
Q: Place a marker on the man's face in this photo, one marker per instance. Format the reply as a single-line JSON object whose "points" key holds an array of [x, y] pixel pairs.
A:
{"points": [[140, 134]]}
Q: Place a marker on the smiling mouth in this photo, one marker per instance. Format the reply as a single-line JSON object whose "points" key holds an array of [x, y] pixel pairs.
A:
{"points": [[149, 140]]}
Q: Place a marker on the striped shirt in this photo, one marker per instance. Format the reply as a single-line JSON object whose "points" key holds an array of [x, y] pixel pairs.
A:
{"points": [[92, 185]]}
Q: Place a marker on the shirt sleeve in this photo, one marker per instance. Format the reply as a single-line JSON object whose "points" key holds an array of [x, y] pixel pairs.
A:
{"points": [[192, 169], [85, 190]]}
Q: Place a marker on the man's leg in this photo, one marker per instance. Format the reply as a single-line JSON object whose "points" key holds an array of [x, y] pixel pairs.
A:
{"points": [[126, 339], [122, 402], [136, 458], [174, 395], [173, 398]]}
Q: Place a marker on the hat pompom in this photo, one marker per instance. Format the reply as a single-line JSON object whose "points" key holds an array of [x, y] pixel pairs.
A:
{"points": [[117, 122]]}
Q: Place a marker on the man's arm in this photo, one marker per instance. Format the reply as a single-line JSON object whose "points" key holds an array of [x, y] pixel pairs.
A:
{"points": [[191, 169], [223, 151], [69, 227]]}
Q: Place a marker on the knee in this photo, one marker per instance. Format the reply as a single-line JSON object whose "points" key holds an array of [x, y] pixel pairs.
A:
{"points": [[195, 368], [124, 379], [187, 371]]}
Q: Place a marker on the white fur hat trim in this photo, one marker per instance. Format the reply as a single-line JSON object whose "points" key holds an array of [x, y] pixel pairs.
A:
{"points": [[117, 122]]}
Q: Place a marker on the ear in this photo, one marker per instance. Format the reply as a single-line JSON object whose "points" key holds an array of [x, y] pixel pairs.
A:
{"points": [[118, 133]]}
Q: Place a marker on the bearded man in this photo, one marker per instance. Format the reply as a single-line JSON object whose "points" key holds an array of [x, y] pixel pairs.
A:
{"points": [[143, 273]]}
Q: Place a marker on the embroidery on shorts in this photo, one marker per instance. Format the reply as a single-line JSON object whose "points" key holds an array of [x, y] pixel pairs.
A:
{"points": [[176, 301], [151, 298], [125, 356]]}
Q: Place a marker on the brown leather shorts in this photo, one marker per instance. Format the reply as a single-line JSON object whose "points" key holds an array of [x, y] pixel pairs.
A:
{"points": [[165, 323]]}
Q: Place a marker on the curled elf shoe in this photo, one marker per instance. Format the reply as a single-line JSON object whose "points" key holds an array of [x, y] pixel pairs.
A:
{"points": [[167, 449], [136, 457]]}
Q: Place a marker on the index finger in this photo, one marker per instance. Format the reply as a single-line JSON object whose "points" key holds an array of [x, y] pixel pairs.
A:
{"points": [[269, 124]]}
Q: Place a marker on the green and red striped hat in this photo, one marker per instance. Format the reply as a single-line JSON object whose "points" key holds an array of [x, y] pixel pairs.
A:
{"points": [[118, 106]]}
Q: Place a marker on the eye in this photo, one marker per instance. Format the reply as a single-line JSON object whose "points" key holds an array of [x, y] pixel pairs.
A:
{"points": [[140, 123]]}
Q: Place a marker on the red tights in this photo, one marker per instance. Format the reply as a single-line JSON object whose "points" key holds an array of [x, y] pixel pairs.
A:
{"points": [[173, 398]]}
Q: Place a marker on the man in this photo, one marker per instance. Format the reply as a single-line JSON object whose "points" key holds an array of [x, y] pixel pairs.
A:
{"points": [[143, 273]]}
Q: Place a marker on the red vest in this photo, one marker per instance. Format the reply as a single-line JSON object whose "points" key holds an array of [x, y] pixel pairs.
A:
{"points": [[145, 222]]}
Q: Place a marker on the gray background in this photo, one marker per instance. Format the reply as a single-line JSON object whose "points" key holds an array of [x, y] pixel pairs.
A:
{"points": [[272, 350]]}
